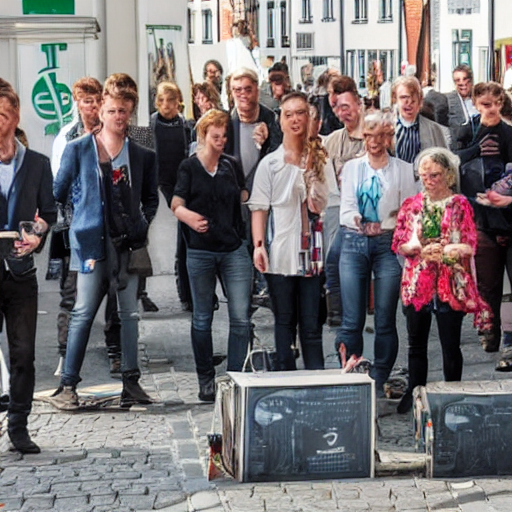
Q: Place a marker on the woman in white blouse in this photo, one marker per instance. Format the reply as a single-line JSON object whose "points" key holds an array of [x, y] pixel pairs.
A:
{"points": [[372, 189], [278, 200]]}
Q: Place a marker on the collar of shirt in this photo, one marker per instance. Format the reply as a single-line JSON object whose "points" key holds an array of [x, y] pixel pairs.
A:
{"points": [[406, 124]]}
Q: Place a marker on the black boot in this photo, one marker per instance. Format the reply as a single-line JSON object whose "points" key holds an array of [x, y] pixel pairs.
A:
{"points": [[18, 433], [132, 392]]}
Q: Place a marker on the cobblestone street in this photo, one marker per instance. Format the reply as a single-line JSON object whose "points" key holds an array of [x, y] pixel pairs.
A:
{"points": [[154, 457]]}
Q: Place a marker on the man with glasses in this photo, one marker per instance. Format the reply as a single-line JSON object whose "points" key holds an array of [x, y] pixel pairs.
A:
{"points": [[253, 132], [461, 111]]}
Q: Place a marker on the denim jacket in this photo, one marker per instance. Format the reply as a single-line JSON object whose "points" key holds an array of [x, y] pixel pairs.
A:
{"points": [[79, 178]]}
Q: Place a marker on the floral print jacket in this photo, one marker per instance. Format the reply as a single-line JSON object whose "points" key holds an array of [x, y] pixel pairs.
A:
{"points": [[451, 281]]}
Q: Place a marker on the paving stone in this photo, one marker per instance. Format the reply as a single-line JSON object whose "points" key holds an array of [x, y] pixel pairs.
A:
{"points": [[41, 488], [167, 498], [37, 503], [74, 503], [11, 502], [188, 450], [136, 502], [63, 488], [193, 485], [193, 469], [205, 500], [103, 499]]}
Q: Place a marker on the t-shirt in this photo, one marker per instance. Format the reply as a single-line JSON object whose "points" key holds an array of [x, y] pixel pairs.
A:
{"points": [[217, 198], [249, 152]]}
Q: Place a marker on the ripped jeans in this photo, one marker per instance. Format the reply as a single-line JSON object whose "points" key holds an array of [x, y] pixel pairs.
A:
{"points": [[91, 288]]}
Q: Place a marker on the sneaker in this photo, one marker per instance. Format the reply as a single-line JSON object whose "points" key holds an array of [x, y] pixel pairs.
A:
{"points": [[489, 342], [65, 398], [207, 391], [505, 362]]}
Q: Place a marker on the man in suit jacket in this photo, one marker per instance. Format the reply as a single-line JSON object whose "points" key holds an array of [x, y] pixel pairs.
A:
{"points": [[25, 195], [461, 110], [414, 132], [254, 130]]}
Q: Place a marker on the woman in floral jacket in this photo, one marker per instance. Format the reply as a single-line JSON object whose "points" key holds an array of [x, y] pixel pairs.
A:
{"points": [[437, 236]]}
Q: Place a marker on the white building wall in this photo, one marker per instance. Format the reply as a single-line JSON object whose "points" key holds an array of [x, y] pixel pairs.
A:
{"points": [[325, 37], [372, 35], [270, 53], [479, 26]]}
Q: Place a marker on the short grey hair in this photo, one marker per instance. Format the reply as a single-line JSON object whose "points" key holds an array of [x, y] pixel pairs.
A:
{"points": [[245, 73], [445, 159]]}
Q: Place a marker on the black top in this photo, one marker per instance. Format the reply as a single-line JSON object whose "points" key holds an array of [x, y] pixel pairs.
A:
{"points": [[172, 140], [487, 218], [217, 198]]}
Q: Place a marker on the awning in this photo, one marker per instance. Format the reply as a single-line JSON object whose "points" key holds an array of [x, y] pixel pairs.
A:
{"points": [[42, 27]]}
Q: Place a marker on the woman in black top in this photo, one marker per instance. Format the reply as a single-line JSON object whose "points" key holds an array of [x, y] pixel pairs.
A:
{"points": [[483, 160], [207, 200]]}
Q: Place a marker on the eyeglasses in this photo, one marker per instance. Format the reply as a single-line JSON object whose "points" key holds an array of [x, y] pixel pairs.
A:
{"points": [[430, 175], [237, 91]]}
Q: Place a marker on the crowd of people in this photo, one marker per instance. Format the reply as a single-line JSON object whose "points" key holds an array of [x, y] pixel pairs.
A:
{"points": [[313, 205]]}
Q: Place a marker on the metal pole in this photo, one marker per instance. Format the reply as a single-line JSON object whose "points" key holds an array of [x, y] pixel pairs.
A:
{"points": [[342, 40], [492, 70], [400, 28]]}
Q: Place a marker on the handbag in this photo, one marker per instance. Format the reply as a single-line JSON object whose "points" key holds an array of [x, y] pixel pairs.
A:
{"points": [[139, 262]]}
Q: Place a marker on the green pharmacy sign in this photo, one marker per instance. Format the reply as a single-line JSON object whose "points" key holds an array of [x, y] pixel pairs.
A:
{"points": [[48, 6], [52, 101]]}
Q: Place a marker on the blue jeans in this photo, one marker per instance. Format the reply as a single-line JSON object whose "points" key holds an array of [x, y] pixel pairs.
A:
{"points": [[235, 270], [360, 256], [296, 299], [90, 290], [332, 264]]}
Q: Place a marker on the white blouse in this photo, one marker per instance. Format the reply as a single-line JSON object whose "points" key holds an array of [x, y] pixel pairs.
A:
{"points": [[280, 188], [396, 181]]}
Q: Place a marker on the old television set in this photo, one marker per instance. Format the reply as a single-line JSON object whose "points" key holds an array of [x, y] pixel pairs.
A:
{"points": [[298, 425], [464, 427]]}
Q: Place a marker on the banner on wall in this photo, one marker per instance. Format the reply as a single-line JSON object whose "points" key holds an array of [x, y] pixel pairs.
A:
{"points": [[166, 46], [47, 72]]}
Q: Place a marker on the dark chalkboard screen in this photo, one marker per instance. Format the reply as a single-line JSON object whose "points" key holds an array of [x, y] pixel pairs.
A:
{"points": [[303, 425], [471, 428]]}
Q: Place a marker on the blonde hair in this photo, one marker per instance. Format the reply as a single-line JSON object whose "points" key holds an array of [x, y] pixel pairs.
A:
{"points": [[213, 117], [445, 159], [167, 88]]}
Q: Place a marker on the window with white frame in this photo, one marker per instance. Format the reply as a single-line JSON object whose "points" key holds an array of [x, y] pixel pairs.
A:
{"points": [[385, 10], [285, 38], [360, 11], [304, 40], [461, 47], [306, 12], [207, 26], [463, 6], [270, 25], [190, 25], [358, 63], [328, 10]]}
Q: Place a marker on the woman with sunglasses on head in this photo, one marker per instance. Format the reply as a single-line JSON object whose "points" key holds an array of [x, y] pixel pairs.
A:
{"points": [[437, 236]]}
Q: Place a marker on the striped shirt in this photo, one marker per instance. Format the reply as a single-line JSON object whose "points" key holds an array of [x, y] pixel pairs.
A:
{"points": [[407, 140]]}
